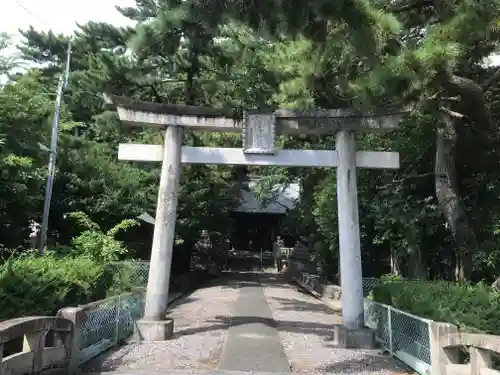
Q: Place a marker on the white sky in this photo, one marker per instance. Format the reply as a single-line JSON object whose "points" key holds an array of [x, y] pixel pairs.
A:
{"points": [[59, 15]]}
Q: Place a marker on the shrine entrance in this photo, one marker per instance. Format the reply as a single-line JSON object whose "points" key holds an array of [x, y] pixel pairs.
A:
{"points": [[254, 231], [256, 224], [259, 133], [251, 240]]}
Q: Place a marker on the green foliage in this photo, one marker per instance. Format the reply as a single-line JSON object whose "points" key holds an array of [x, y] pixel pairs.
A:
{"points": [[34, 285], [390, 277], [24, 109], [97, 245], [7, 62], [299, 55], [473, 308], [88, 176]]}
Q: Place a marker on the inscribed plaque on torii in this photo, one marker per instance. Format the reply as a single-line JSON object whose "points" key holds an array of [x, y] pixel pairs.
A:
{"points": [[259, 133]]}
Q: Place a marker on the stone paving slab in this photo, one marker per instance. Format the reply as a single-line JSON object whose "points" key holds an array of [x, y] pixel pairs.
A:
{"points": [[253, 342]]}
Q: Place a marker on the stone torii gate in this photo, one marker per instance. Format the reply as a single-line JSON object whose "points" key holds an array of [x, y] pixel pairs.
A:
{"points": [[259, 133]]}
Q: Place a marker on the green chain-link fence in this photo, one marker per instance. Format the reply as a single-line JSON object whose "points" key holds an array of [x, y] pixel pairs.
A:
{"points": [[399, 331], [105, 323], [129, 275]]}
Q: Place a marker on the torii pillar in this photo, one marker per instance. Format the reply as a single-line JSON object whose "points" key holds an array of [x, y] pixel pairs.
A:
{"points": [[259, 132], [351, 276], [164, 237]]}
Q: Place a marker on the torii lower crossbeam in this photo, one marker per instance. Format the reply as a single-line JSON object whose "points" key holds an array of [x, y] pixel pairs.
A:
{"points": [[236, 156]]}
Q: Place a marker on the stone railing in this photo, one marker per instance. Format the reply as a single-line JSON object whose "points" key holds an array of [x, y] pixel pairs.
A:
{"points": [[35, 355], [446, 358], [103, 324], [64, 342], [427, 346], [76, 335], [61, 344]]}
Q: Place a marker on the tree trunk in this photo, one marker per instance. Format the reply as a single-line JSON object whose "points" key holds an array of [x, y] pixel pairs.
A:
{"points": [[449, 199], [192, 74], [395, 262], [415, 266]]}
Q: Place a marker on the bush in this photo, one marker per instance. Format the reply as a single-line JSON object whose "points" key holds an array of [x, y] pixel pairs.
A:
{"points": [[33, 285], [473, 308], [96, 244]]}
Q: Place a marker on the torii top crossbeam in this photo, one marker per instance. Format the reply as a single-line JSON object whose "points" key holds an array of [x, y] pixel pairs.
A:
{"points": [[137, 113]]}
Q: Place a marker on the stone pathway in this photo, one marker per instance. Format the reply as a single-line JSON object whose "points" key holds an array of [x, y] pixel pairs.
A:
{"points": [[305, 325], [253, 342], [263, 323]]}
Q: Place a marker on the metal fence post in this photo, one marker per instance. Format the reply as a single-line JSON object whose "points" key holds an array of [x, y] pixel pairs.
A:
{"points": [[117, 320], [389, 324]]}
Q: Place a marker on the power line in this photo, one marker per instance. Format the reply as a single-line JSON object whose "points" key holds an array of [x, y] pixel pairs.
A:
{"points": [[32, 14]]}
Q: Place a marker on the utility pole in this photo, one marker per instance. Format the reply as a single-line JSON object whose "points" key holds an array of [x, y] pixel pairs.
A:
{"points": [[63, 83]]}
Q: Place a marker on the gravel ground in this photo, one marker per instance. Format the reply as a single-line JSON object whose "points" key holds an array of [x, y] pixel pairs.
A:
{"points": [[305, 329], [201, 322]]}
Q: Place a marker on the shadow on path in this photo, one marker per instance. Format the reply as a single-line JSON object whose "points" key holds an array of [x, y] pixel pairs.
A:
{"points": [[297, 305], [291, 326]]}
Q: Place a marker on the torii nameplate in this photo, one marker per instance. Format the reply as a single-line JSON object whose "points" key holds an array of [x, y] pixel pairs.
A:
{"points": [[259, 133]]}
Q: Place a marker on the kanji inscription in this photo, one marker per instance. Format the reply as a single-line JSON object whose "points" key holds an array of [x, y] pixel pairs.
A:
{"points": [[259, 134]]}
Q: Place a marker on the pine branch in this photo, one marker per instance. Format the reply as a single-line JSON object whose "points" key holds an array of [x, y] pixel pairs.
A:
{"points": [[472, 98], [453, 114], [414, 5], [156, 94], [452, 99], [403, 179]]}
